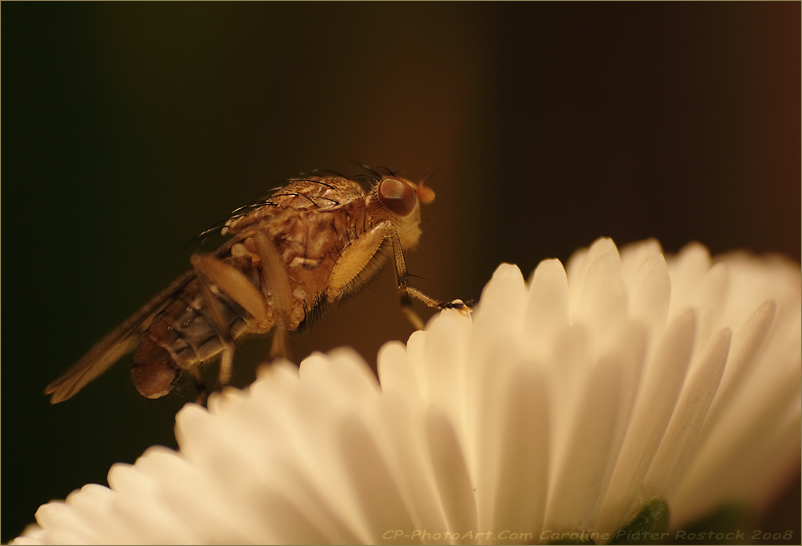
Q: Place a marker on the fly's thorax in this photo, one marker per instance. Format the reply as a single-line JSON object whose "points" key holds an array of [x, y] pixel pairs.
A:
{"points": [[397, 200], [312, 193]]}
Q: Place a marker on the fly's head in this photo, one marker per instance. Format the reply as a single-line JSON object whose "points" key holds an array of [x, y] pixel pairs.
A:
{"points": [[398, 200]]}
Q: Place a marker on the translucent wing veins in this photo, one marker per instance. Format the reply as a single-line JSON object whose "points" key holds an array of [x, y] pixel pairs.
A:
{"points": [[111, 348]]}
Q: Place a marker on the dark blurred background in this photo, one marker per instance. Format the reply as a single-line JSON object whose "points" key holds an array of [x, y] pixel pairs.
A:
{"points": [[128, 128]]}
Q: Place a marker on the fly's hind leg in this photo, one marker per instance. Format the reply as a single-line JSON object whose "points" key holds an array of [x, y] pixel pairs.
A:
{"points": [[235, 285]]}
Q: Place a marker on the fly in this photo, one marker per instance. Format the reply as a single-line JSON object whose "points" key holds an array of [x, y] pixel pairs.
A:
{"points": [[312, 242]]}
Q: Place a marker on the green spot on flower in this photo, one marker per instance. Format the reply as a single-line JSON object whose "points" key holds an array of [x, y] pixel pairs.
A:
{"points": [[650, 525], [722, 526]]}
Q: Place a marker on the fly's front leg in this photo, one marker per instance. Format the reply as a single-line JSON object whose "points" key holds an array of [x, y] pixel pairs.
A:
{"points": [[408, 293], [236, 286]]}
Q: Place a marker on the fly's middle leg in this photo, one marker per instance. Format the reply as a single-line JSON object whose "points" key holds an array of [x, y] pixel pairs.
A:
{"points": [[236, 286], [200, 386]]}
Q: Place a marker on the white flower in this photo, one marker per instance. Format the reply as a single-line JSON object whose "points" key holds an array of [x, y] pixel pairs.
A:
{"points": [[561, 407]]}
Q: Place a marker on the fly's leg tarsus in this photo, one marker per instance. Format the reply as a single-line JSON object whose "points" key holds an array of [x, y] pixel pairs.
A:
{"points": [[436, 304], [407, 295], [459, 305]]}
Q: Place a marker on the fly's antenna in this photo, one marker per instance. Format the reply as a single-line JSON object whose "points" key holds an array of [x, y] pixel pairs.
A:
{"points": [[430, 173], [425, 193]]}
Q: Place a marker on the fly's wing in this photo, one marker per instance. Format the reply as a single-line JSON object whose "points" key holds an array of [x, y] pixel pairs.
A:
{"points": [[112, 347]]}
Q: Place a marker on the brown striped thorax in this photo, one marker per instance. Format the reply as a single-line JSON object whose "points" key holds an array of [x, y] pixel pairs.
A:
{"points": [[310, 243]]}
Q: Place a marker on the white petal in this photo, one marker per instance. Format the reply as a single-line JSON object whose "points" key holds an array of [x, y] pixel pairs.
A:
{"points": [[650, 292], [566, 368], [409, 455], [442, 365], [343, 375], [33, 534], [686, 270], [517, 498], [380, 504], [503, 303], [712, 292], [579, 474], [599, 300], [697, 395], [744, 346], [451, 471], [734, 445], [395, 371], [660, 387], [634, 254], [547, 308]]}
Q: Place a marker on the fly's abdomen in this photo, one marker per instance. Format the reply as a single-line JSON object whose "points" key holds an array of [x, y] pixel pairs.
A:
{"points": [[153, 370], [183, 335], [190, 333]]}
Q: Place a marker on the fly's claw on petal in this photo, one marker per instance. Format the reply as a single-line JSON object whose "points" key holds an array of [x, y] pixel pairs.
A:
{"points": [[464, 307]]}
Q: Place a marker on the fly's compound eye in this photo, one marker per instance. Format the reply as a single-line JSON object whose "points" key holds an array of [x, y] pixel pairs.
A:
{"points": [[398, 196]]}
